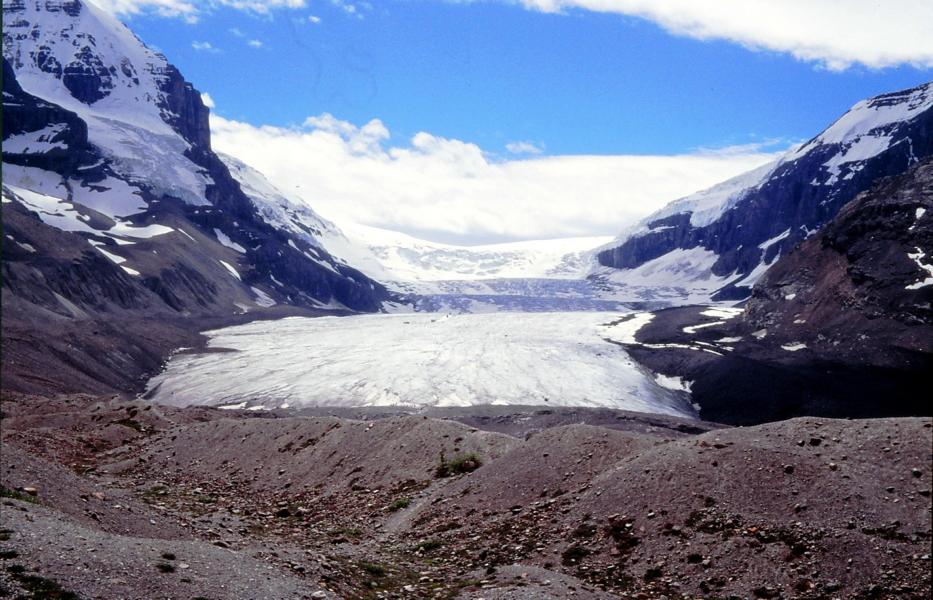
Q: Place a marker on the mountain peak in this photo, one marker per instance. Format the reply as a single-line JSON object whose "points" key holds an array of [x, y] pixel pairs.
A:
{"points": [[82, 58], [726, 237]]}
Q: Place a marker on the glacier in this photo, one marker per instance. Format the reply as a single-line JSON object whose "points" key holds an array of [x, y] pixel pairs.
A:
{"points": [[418, 360]]}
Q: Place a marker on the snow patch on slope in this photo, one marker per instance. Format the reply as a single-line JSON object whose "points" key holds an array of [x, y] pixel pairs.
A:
{"points": [[682, 276]]}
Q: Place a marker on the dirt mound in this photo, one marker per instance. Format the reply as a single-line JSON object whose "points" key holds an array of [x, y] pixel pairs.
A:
{"points": [[327, 455], [546, 466], [803, 508], [46, 547]]}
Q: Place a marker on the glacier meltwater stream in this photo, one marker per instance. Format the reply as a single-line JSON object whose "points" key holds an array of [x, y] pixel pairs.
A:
{"points": [[424, 359]]}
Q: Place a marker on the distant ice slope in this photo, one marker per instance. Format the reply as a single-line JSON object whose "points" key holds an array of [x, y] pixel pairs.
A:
{"points": [[406, 258], [716, 243], [556, 359], [390, 256], [531, 275]]}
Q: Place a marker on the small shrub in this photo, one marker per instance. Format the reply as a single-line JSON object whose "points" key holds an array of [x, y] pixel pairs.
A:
{"points": [[8, 554], [165, 567], [463, 463], [168, 556], [466, 463], [400, 504], [14, 495]]}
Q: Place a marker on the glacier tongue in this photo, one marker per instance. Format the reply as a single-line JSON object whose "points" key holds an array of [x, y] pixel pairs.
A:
{"points": [[555, 359]]}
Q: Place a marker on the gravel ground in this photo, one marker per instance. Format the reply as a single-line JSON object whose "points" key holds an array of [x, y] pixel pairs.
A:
{"points": [[263, 505]]}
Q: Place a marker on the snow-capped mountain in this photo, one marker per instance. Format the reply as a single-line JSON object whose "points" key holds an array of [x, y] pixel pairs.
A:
{"points": [[103, 138], [716, 243]]}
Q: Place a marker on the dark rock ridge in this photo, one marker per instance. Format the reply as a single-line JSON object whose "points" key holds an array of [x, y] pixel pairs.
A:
{"points": [[804, 191]]}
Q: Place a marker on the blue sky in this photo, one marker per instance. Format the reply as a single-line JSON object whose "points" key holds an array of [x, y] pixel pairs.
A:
{"points": [[491, 73]]}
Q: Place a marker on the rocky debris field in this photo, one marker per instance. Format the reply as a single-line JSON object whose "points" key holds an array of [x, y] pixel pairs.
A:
{"points": [[110, 498]]}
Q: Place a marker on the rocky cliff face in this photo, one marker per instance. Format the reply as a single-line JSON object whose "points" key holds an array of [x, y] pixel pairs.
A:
{"points": [[862, 289], [736, 230], [29, 122]]}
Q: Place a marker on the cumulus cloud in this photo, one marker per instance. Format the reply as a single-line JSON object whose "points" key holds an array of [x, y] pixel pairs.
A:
{"points": [[254, 43], [450, 190], [832, 33]]}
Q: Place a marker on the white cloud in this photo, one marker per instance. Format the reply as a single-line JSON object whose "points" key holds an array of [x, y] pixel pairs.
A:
{"points": [[352, 8], [314, 19], [450, 190], [833, 33], [254, 44], [522, 147], [259, 6], [191, 10], [185, 9], [204, 47], [207, 100]]}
